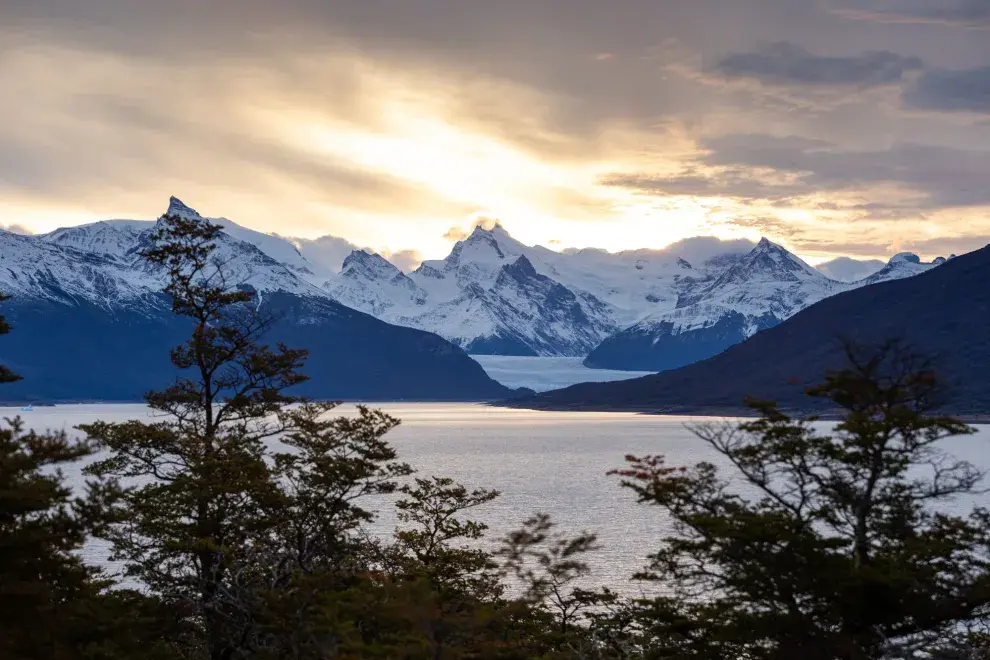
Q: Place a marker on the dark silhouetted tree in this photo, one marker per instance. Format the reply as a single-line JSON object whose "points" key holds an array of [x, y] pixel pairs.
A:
{"points": [[830, 546]]}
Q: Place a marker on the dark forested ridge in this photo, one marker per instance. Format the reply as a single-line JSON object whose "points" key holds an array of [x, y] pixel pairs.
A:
{"points": [[944, 313], [77, 351]]}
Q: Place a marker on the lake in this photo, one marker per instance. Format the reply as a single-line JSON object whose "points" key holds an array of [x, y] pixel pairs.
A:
{"points": [[540, 461]]}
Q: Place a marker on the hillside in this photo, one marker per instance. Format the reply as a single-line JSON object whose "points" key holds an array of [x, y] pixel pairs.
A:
{"points": [[944, 312], [90, 323]]}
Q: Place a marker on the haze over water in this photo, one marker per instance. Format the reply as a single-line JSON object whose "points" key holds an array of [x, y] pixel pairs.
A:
{"points": [[541, 462]]}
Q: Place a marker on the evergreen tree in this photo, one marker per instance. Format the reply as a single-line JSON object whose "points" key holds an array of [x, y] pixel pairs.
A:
{"points": [[251, 545], [204, 487], [832, 547], [53, 606], [46, 591]]}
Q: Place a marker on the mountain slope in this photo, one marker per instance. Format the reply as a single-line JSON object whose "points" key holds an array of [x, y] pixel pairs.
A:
{"points": [[521, 312], [82, 352], [904, 264], [91, 323], [491, 295], [494, 295], [944, 312], [637, 310], [757, 292]]}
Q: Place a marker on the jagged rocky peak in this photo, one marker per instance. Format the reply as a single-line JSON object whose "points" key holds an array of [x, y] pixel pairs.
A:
{"points": [[369, 264], [768, 247], [495, 231], [177, 207], [768, 259], [487, 236], [522, 266]]}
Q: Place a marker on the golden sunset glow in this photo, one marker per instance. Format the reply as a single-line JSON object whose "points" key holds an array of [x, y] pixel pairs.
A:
{"points": [[391, 144]]}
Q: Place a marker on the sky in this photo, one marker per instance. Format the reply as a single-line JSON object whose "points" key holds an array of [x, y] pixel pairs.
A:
{"points": [[834, 127]]}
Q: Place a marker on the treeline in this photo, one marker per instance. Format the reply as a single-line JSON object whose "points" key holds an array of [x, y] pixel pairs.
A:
{"points": [[240, 517]]}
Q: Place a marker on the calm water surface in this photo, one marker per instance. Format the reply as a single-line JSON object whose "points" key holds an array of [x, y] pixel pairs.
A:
{"points": [[540, 461]]}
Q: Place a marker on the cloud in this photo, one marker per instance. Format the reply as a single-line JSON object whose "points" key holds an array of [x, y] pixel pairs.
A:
{"points": [[951, 90], [845, 269], [368, 119], [944, 246], [327, 253], [904, 178], [459, 232], [699, 249], [783, 63], [16, 228], [965, 13], [767, 225], [455, 234], [404, 260]]}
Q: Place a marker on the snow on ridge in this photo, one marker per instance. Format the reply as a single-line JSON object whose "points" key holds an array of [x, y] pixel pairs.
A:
{"points": [[492, 293], [101, 262]]}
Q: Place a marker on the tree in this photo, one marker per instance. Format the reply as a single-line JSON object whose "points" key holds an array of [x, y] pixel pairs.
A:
{"points": [[203, 485], [457, 581], [45, 588], [54, 606], [832, 547], [547, 566], [253, 546]]}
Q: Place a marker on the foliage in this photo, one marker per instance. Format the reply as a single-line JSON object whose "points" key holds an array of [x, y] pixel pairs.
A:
{"points": [[832, 548], [243, 513]]}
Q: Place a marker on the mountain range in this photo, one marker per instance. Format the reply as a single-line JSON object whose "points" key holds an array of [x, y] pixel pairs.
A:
{"points": [[90, 321], [640, 310], [645, 310], [943, 314]]}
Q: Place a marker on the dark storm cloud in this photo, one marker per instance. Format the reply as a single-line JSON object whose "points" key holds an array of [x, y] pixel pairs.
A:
{"points": [[951, 91], [784, 63], [764, 167], [968, 13]]}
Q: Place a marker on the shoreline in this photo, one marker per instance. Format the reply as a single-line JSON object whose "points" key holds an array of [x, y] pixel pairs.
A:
{"points": [[713, 413]]}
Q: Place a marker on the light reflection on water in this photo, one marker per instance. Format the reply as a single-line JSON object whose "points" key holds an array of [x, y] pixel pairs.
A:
{"points": [[540, 461]]}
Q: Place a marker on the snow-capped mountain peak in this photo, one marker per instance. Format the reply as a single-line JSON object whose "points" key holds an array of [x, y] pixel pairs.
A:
{"points": [[178, 208], [909, 257], [368, 264], [767, 263], [373, 284], [771, 258], [109, 237], [491, 294], [901, 265]]}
